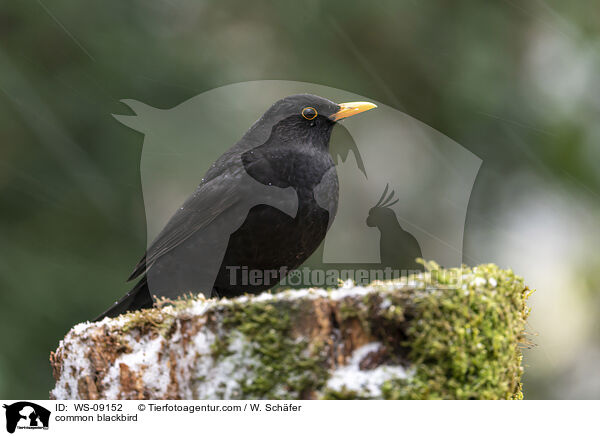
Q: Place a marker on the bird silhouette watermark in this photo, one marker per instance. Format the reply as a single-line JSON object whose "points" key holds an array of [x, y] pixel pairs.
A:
{"points": [[291, 202], [398, 248]]}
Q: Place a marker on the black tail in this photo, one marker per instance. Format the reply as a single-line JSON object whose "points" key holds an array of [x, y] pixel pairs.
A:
{"points": [[138, 298]]}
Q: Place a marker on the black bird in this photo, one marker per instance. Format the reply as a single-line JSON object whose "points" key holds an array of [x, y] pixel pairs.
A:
{"points": [[260, 211]]}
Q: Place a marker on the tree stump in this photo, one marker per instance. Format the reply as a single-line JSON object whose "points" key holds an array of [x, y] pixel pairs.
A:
{"points": [[444, 333]]}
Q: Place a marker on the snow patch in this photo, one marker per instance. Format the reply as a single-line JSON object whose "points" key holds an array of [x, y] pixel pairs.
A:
{"points": [[145, 356], [478, 281], [364, 382], [221, 378]]}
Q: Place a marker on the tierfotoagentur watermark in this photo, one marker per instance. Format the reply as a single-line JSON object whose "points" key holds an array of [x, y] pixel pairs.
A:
{"points": [[314, 277]]}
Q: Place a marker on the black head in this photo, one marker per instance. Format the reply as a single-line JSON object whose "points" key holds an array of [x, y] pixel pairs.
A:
{"points": [[308, 118]]}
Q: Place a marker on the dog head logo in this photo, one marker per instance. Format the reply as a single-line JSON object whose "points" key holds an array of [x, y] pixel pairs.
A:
{"points": [[26, 415]]}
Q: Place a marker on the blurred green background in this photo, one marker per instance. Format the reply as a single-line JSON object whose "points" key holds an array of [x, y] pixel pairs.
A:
{"points": [[515, 82]]}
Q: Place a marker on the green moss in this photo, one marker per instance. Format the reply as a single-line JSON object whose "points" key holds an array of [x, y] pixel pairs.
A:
{"points": [[289, 368], [151, 320], [465, 336], [458, 331], [343, 394], [155, 319], [220, 348]]}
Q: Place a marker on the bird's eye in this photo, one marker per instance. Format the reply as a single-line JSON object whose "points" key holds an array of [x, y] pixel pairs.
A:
{"points": [[309, 113]]}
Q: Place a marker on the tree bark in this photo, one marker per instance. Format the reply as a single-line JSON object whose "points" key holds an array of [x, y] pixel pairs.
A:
{"points": [[440, 334]]}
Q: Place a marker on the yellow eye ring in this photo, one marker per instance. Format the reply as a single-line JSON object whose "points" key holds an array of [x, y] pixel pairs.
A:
{"points": [[310, 113]]}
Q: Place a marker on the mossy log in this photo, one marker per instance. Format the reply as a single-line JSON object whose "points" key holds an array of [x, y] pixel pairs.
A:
{"points": [[444, 333]]}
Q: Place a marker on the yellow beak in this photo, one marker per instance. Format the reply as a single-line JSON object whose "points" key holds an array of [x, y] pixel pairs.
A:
{"points": [[352, 108]]}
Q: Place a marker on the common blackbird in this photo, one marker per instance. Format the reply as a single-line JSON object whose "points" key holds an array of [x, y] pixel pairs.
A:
{"points": [[259, 212]]}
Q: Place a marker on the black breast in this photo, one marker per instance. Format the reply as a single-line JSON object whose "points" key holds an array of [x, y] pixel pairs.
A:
{"points": [[270, 242]]}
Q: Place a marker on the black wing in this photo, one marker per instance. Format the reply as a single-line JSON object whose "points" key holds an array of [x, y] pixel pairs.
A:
{"points": [[208, 201]]}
